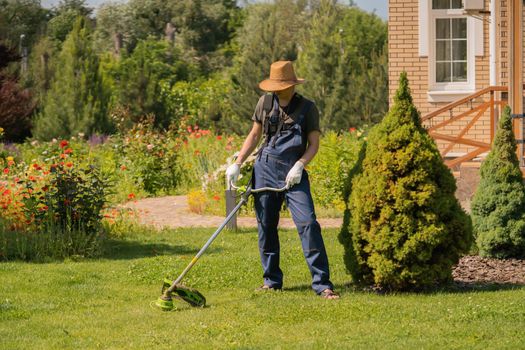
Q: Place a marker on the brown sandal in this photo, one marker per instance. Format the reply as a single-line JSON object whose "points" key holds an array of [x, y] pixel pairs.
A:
{"points": [[266, 288], [329, 294]]}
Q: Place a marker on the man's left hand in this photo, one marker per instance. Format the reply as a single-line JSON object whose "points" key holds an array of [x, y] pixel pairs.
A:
{"points": [[295, 174]]}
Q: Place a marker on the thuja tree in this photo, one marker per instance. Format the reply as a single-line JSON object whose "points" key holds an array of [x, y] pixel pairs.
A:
{"points": [[498, 206], [78, 98], [406, 228]]}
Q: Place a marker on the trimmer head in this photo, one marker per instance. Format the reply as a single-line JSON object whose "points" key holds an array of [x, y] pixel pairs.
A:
{"points": [[189, 295], [165, 303]]}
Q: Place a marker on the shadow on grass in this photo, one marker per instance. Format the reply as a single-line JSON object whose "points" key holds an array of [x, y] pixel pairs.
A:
{"points": [[307, 287], [122, 250], [452, 288]]}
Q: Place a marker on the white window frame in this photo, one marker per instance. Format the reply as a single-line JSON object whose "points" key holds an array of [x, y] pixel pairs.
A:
{"points": [[470, 84], [437, 92]]}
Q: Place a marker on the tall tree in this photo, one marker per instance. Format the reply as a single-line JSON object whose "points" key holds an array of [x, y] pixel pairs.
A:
{"points": [[77, 100], [498, 206], [16, 104], [270, 33], [64, 16], [344, 59], [137, 78], [21, 17]]}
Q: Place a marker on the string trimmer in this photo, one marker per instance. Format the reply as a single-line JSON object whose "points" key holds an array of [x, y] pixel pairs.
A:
{"points": [[171, 289]]}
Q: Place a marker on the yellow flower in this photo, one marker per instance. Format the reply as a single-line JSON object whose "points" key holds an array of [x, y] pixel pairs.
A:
{"points": [[9, 159]]}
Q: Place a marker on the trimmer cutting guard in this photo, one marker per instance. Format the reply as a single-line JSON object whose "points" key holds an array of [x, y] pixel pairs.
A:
{"points": [[189, 295]]}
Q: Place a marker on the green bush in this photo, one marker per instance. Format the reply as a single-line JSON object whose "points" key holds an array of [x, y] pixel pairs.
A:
{"points": [[407, 229], [329, 169], [150, 157], [498, 206]]}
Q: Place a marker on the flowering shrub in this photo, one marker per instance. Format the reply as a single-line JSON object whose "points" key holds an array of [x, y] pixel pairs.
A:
{"points": [[201, 154], [50, 208], [150, 157]]}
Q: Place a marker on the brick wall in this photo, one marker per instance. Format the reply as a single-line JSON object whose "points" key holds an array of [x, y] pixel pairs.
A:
{"points": [[403, 27]]}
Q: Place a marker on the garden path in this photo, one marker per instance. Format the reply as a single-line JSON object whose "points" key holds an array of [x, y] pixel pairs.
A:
{"points": [[173, 212]]}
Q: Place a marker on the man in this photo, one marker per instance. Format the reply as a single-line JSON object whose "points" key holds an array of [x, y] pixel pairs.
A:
{"points": [[290, 124]]}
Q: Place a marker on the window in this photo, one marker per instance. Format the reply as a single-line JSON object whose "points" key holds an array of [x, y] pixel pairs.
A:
{"points": [[446, 4], [451, 50]]}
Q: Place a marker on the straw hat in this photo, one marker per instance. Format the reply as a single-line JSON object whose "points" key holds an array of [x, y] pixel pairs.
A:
{"points": [[282, 76]]}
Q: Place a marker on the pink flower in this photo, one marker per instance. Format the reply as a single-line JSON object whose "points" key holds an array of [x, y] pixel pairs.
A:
{"points": [[149, 147]]}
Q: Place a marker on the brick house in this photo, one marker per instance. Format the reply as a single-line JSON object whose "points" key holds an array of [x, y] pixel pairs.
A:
{"points": [[457, 55]]}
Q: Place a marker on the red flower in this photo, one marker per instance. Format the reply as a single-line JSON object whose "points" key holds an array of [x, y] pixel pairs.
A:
{"points": [[219, 137], [352, 129], [123, 167], [189, 129], [216, 197], [131, 195], [197, 152], [69, 164], [197, 135], [6, 171], [32, 178], [63, 156], [68, 151], [63, 143], [37, 167]]}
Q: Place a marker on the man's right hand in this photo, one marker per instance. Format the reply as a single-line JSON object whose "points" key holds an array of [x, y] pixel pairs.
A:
{"points": [[232, 173]]}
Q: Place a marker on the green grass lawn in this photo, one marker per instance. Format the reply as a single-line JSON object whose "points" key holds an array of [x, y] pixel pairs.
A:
{"points": [[105, 303]]}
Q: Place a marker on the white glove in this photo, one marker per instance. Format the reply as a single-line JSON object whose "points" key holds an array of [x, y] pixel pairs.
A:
{"points": [[295, 174], [232, 173]]}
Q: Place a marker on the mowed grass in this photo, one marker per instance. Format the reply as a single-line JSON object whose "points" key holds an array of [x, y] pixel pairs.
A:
{"points": [[105, 303]]}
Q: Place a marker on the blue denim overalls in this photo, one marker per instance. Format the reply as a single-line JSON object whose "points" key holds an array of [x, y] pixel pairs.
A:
{"points": [[270, 169]]}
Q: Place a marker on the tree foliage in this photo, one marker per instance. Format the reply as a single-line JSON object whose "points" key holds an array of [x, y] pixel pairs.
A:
{"points": [[21, 17], [344, 60], [77, 100], [137, 78], [407, 229], [270, 33], [16, 103], [498, 206], [63, 18]]}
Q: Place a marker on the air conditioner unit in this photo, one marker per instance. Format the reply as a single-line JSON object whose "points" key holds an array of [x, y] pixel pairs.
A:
{"points": [[473, 5]]}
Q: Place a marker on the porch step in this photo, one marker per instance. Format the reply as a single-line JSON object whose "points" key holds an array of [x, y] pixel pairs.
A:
{"points": [[467, 182]]}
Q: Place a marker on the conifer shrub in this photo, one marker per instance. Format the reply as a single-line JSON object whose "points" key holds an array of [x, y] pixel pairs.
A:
{"points": [[498, 206], [406, 229]]}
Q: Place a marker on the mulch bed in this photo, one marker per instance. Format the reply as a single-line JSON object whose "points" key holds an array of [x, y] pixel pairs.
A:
{"points": [[478, 270]]}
